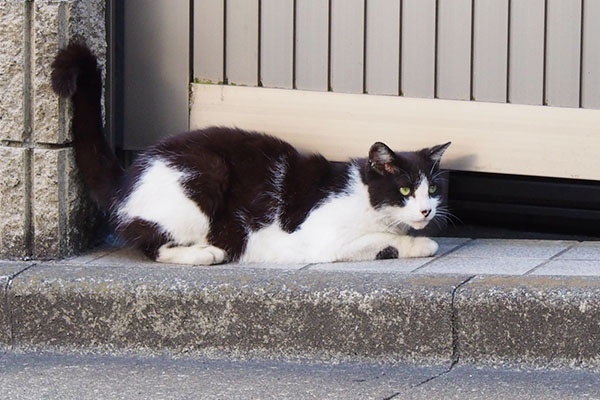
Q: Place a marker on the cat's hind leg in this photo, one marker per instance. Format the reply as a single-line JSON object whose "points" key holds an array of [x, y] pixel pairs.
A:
{"points": [[196, 254]]}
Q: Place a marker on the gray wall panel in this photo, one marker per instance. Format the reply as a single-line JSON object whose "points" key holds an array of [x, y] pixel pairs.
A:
{"points": [[242, 42], [156, 71], [563, 46], [383, 47], [526, 58], [454, 49], [277, 43], [490, 50], [208, 40], [418, 48], [347, 34], [590, 85], [312, 48]]}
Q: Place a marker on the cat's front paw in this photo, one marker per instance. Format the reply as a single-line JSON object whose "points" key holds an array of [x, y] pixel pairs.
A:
{"points": [[423, 247], [387, 253]]}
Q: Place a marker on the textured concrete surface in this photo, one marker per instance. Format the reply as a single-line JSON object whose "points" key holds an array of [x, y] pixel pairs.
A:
{"points": [[479, 265], [7, 273], [382, 310], [54, 24], [583, 251], [493, 248], [11, 70], [381, 316], [569, 267], [49, 33], [55, 217], [73, 376], [536, 320], [14, 219], [63, 215], [467, 382]]}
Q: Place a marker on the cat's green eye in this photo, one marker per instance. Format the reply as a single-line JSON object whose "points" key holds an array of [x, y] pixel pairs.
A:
{"points": [[432, 189], [404, 191]]}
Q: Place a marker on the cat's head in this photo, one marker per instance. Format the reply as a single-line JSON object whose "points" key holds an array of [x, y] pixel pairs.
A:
{"points": [[406, 187]]}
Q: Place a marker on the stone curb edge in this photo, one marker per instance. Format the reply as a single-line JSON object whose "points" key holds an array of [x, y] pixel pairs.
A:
{"points": [[541, 321]]}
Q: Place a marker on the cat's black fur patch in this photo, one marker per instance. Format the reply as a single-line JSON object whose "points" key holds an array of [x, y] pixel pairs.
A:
{"points": [[239, 179], [387, 253]]}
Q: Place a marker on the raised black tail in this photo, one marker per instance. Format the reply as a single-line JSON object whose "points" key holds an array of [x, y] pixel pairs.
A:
{"points": [[75, 74]]}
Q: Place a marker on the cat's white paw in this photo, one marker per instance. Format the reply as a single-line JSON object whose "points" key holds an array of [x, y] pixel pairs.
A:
{"points": [[217, 253], [193, 255], [423, 247]]}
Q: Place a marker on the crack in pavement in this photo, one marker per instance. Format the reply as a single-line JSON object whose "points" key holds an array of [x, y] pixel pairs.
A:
{"points": [[8, 308], [455, 349]]}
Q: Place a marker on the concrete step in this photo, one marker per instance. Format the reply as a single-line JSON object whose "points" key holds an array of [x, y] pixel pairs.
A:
{"points": [[42, 375], [438, 310]]}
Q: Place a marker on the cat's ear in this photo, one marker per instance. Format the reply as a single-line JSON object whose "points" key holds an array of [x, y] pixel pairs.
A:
{"points": [[436, 152], [381, 159]]}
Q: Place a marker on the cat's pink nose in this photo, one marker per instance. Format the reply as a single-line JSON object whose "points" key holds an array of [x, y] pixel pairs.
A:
{"points": [[425, 213]]}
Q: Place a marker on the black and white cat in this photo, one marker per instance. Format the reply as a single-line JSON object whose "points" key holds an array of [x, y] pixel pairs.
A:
{"points": [[220, 194]]}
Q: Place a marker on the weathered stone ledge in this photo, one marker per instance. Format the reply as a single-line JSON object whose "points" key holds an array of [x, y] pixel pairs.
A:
{"points": [[305, 312]]}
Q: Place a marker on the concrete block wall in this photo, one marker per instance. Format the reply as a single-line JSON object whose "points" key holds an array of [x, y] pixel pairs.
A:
{"points": [[44, 210]]}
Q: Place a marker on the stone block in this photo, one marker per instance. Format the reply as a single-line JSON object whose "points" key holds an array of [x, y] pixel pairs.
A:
{"points": [[583, 251], [569, 267], [48, 212], [480, 265], [513, 248], [49, 112], [12, 70], [14, 197], [55, 24], [8, 270], [63, 216], [547, 321], [388, 317]]}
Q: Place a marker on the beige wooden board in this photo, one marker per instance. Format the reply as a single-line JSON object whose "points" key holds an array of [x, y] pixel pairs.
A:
{"points": [[526, 58], [563, 52], [383, 47], [590, 85], [312, 49], [454, 49], [490, 50], [347, 45], [487, 137], [242, 42], [156, 73], [208, 40], [277, 43], [418, 48]]}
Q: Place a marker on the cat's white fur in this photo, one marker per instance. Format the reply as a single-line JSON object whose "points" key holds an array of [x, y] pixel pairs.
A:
{"points": [[343, 227], [159, 196]]}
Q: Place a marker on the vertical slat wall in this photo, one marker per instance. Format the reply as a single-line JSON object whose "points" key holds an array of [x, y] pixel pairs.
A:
{"points": [[526, 52], [209, 36], [242, 47], [590, 70], [277, 43], [417, 69], [347, 46], [490, 50], [312, 45], [454, 49], [563, 46], [382, 58], [517, 51]]}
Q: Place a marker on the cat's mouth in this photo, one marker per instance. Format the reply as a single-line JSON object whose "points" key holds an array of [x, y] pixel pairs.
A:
{"points": [[419, 224]]}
